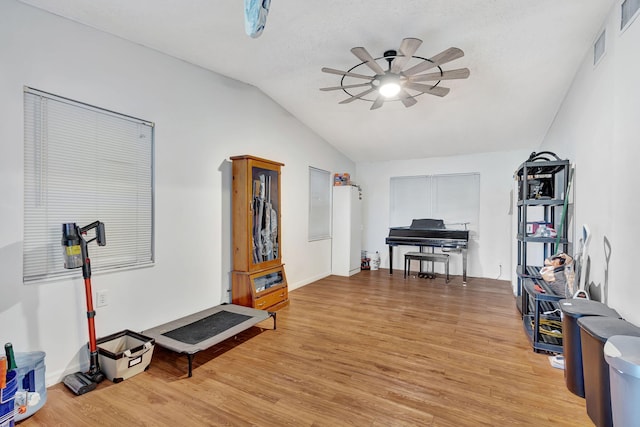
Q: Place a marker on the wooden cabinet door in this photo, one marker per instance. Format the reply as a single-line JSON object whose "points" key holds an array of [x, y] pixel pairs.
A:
{"points": [[256, 214]]}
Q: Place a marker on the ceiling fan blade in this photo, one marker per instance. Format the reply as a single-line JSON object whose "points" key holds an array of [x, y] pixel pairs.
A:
{"points": [[448, 55], [431, 90], [423, 66], [378, 102], [365, 57], [345, 87], [358, 96], [407, 48], [406, 99], [346, 73], [460, 73], [441, 58]]}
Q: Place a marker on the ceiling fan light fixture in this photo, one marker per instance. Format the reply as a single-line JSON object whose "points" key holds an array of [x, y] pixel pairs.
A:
{"points": [[388, 85], [389, 89]]}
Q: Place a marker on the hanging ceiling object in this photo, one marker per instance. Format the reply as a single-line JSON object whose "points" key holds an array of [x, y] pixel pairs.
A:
{"points": [[255, 16], [401, 81]]}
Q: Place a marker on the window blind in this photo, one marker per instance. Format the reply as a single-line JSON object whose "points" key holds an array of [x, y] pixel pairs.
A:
{"points": [[319, 204], [410, 198], [454, 198], [84, 164]]}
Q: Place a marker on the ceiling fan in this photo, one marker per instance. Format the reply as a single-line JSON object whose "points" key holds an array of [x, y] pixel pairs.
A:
{"points": [[397, 83]]}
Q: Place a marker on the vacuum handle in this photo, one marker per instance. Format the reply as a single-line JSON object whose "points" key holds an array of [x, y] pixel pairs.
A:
{"points": [[100, 234], [101, 238]]}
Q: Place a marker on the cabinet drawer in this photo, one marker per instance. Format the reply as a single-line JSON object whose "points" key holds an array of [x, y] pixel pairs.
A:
{"points": [[265, 301]]}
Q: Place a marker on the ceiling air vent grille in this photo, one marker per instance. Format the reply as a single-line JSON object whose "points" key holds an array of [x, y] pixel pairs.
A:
{"points": [[629, 11], [598, 48]]}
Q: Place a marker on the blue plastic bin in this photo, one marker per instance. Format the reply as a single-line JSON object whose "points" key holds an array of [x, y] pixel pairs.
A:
{"points": [[31, 394], [7, 396]]}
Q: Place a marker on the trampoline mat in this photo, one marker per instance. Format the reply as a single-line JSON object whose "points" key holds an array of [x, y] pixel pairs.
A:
{"points": [[206, 328]]}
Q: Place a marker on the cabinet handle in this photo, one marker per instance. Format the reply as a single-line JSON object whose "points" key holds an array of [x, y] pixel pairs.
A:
{"points": [[261, 304], [282, 294]]}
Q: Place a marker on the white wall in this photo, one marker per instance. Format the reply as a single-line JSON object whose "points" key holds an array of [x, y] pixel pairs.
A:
{"points": [[597, 127], [201, 120], [495, 237]]}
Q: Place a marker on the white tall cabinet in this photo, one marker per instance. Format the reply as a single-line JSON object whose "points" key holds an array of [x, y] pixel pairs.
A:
{"points": [[346, 242]]}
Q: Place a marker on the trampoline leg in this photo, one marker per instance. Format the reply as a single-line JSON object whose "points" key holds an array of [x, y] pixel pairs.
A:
{"points": [[273, 314], [190, 356]]}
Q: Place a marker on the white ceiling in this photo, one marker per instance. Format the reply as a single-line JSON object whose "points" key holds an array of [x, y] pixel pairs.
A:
{"points": [[522, 55]]}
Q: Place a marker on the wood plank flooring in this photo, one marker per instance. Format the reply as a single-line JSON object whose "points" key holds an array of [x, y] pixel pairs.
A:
{"points": [[371, 350]]}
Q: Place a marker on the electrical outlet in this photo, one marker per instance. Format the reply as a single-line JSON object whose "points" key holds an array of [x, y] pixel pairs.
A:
{"points": [[102, 298]]}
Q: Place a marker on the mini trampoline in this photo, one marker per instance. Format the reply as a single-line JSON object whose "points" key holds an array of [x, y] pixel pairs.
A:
{"points": [[201, 330]]}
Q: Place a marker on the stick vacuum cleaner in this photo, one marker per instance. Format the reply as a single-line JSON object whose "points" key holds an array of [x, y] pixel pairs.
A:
{"points": [[76, 255]]}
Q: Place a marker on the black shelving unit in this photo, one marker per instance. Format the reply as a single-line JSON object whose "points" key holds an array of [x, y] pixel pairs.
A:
{"points": [[542, 186]]}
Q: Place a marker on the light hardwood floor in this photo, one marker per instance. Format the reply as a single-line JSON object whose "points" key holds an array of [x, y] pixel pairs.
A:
{"points": [[371, 350]]}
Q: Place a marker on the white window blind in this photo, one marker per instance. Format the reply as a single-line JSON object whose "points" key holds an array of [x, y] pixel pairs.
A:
{"points": [[410, 199], [453, 198], [319, 204], [85, 164]]}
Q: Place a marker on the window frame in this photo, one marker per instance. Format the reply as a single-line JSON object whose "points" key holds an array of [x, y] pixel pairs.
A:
{"points": [[82, 164], [426, 200], [319, 204]]}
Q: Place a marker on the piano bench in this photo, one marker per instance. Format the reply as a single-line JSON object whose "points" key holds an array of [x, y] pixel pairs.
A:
{"points": [[426, 256]]}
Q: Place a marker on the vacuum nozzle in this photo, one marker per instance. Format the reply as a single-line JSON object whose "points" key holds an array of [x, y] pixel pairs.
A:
{"points": [[79, 383]]}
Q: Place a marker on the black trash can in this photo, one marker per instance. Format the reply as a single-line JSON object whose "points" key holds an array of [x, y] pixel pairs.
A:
{"points": [[572, 310], [594, 333]]}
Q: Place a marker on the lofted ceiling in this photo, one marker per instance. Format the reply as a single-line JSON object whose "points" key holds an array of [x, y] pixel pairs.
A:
{"points": [[522, 55]]}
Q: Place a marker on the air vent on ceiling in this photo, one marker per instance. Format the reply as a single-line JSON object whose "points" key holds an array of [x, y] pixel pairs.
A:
{"points": [[629, 11], [598, 47]]}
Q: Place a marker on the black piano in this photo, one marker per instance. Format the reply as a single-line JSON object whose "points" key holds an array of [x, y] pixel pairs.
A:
{"points": [[429, 233]]}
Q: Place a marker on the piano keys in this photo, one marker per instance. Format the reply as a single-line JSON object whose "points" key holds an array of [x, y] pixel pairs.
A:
{"points": [[429, 233]]}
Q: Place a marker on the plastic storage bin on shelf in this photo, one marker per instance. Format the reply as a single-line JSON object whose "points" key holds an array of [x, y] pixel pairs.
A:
{"points": [[594, 333], [622, 353], [124, 354], [32, 391], [572, 310], [7, 395]]}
